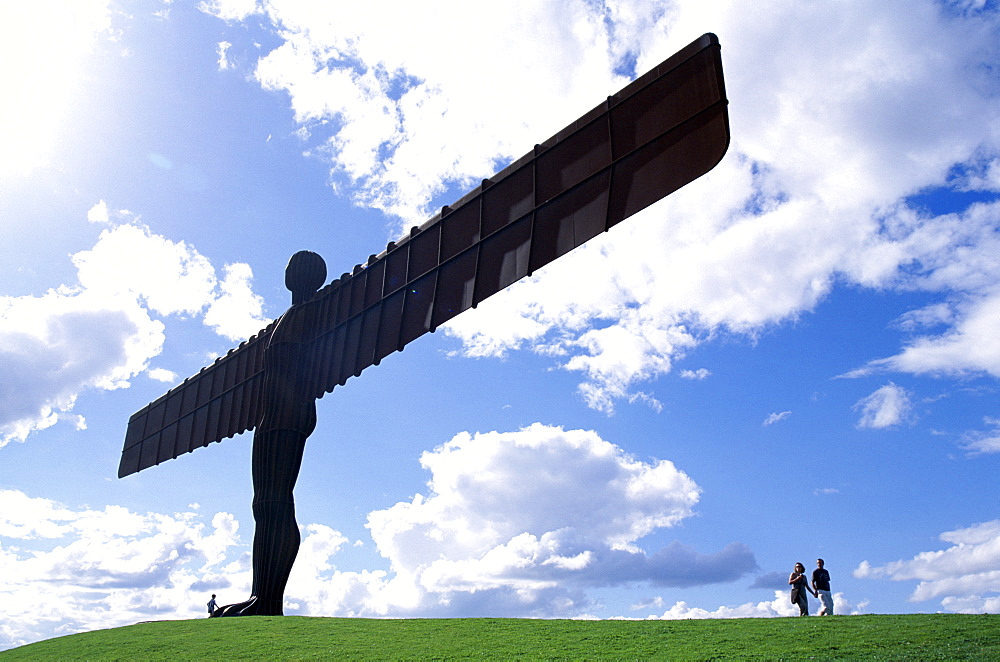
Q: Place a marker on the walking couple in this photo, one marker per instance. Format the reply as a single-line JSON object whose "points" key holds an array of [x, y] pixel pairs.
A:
{"points": [[820, 588]]}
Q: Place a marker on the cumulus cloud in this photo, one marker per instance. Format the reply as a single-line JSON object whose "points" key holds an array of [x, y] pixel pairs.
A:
{"points": [[519, 524], [99, 213], [55, 346], [514, 524], [234, 311], [964, 576], [803, 201], [502, 477], [102, 331], [401, 132], [538, 512], [764, 237], [887, 407], [162, 375], [71, 570], [779, 606], [169, 277]]}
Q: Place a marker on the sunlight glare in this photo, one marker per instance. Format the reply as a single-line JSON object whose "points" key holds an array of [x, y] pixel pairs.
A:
{"points": [[43, 51]]}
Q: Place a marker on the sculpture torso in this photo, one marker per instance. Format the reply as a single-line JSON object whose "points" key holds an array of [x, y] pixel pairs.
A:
{"points": [[287, 405]]}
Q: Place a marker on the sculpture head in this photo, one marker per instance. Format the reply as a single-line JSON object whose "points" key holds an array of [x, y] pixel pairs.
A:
{"points": [[305, 273]]}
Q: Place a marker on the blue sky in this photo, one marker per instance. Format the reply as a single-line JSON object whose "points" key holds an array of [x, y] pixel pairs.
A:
{"points": [[796, 356]]}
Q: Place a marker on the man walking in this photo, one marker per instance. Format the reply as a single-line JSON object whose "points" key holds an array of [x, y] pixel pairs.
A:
{"points": [[821, 587]]}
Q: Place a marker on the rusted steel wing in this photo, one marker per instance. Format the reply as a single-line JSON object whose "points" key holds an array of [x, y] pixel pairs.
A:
{"points": [[662, 131]]}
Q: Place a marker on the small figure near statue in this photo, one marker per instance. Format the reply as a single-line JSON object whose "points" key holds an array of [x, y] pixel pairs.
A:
{"points": [[212, 606]]}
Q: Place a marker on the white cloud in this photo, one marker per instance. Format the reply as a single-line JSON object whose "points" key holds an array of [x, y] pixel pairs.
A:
{"points": [[401, 131], [236, 313], [66, 341], [969, 346], [964, 576], [886, 407], [804, 200], [229, 10], [501, 479], [972, 605], [162, 375], [983, 176], [99, 213], [699, 374], [779, 606], [537, 513], [980, 442], [76, 570], [774, 417], [222, 48], [101, 332], [518, 524], [170, 277]]}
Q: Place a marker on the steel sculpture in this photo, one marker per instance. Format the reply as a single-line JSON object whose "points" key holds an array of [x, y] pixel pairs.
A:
{"points": [[660, 132]]}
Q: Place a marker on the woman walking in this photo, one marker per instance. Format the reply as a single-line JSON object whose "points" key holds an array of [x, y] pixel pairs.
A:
{"points": [[800, 586]]}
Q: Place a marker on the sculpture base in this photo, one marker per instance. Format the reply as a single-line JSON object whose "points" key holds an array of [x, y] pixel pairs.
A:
{"points": [[252, 607]]}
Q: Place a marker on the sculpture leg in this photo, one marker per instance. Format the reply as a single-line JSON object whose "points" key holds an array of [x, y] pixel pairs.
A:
{"points": [[277, 456]]}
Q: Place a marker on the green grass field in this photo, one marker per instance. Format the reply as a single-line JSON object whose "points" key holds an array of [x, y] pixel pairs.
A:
{"points": [[881, 637]]}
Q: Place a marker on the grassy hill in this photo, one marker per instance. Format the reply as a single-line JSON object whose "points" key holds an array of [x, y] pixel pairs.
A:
{"points": [[880, 637]]}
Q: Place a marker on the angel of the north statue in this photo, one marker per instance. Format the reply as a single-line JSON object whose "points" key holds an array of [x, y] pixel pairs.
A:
{"points": [[663, 130]]}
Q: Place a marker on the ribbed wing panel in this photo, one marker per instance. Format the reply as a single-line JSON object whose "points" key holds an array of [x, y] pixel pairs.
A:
{"points": [[663, 130], [219, 401]]}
